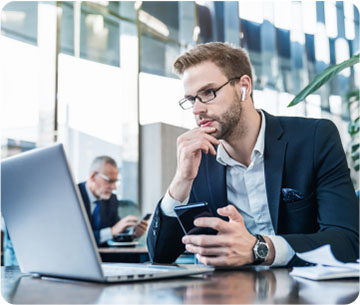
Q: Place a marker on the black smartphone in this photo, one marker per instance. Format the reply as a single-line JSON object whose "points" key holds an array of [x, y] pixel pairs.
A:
{"points": [[146, 217], [186, 214]]}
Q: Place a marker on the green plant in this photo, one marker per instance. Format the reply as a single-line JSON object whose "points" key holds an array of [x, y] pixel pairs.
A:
{"points": [[352, 100]]}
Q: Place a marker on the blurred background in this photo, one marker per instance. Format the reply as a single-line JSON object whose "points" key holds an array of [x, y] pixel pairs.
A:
{"points": [[97, 75]]}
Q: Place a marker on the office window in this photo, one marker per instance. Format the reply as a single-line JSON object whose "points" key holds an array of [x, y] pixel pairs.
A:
{"points": [[296, 26], [309, 16], [252, 43], [349, 20], [310, 47], [205, 24], [342, 52], [157, 56], [67, 28], [19, 21], [251, 11], [161, 17], [284, 53], [159, 37], [20, 82], [283, 17], [99, 37], [322, 47], [331, 19]]}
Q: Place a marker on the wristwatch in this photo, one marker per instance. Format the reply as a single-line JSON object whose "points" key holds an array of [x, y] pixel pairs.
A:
{"points": [[261, 250]]}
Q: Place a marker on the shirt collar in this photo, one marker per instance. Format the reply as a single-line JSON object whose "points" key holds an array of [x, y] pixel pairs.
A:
{"points": [[223, 157]]}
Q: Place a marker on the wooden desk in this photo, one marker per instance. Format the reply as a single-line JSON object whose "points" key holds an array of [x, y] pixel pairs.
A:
{"points": [[249, 286], [124, 254]]}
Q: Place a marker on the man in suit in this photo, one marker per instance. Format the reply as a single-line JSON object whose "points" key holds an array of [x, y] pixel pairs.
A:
{"points": [[102, 205], [278, 185]]}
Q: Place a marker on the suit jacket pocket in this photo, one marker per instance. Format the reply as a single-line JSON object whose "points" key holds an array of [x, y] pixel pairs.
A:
{"points": [[299, 217], [300, 204]]}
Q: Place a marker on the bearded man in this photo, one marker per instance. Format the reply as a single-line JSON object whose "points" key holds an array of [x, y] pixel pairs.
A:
{"points": [[281, 184]]}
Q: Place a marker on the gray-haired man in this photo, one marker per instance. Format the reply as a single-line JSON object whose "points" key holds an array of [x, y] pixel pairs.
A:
{"points": [[102, 205]]}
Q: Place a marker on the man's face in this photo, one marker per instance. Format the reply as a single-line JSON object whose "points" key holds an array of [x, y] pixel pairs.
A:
{"points": [[101, 187], [224, 112]]}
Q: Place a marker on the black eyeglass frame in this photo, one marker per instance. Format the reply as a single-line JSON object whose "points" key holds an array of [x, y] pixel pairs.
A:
{"points": [[185, 99]]}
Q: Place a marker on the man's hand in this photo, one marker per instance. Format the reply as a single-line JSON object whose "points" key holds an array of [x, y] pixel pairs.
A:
{"points": [[123, 224], [189, 148], [141, 228], [233, 244]]}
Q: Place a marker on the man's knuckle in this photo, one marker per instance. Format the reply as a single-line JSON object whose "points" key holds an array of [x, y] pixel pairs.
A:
{"points": [[201, 241]]}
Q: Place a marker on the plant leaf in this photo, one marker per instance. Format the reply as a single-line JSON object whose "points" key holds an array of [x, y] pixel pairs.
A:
{"points": [[355, 156], [323, 77], [353, 128], [355, 147]]}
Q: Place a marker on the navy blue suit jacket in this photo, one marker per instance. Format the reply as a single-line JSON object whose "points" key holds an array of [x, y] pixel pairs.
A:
{"points": [[109, 215], [303, 154]]}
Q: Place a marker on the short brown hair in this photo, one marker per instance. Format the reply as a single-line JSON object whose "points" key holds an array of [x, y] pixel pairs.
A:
{"points": [[233, 62]]}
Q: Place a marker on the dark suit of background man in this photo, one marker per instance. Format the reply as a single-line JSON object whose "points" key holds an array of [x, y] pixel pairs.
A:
{"points": [[102, 205], [280, 184]]}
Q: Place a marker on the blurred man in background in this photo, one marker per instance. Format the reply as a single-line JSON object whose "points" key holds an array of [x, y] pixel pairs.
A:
{"points": [[102, 205]]}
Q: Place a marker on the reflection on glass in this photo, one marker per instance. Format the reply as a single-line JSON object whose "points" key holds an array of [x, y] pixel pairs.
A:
{"points": [[157, 56], [19, 21], [163, 19], [99, 38]]}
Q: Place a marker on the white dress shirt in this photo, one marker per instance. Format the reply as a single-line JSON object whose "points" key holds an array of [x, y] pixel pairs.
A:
{"points": [[246, 190], [105, 233]]}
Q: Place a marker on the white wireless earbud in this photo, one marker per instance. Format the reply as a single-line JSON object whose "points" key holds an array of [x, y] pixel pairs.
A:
{"points": [[243, 95]]}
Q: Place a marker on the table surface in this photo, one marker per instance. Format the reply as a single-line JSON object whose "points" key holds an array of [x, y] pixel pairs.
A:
{"points": [[246, 286]]}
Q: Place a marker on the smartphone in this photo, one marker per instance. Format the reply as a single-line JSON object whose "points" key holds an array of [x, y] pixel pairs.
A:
{"points": [[146, 217], [186, 214]]}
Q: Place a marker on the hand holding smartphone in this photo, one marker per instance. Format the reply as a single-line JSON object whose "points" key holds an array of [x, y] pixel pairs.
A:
{"points": [[186, 214]]}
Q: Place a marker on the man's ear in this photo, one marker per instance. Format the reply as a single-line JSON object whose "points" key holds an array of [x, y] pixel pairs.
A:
{"points": [[245, 82]]}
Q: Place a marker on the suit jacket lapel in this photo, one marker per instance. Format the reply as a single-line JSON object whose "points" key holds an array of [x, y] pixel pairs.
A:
{"points": [[85, 198], [274, 156]]}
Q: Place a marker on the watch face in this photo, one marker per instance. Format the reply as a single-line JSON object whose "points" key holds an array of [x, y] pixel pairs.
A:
{"points": [[262, 250]]}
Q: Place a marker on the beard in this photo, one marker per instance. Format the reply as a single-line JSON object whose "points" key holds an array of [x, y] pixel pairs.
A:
{"points": [[229, 122]]}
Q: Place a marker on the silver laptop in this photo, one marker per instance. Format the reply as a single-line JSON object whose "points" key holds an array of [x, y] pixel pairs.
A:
{"points": [[49, 228]]}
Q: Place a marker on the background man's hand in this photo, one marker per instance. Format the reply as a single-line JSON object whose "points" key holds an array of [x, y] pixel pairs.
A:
{"points": [[123, 224], [233, 244], [189, 148], [141, 228]]}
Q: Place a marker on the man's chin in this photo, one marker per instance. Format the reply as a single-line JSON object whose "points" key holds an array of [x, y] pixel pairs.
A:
{"points": [[106, 196], [217, 135]]}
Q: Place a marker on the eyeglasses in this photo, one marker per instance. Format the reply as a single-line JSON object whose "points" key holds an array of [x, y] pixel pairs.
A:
{"points": [[107, 179], [203, 96]]}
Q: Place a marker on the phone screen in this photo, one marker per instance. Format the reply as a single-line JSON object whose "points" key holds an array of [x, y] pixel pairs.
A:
{"points": [[186, 214]]}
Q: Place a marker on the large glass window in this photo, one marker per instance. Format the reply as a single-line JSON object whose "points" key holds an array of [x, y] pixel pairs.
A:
{"points": [[95, 114]]}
